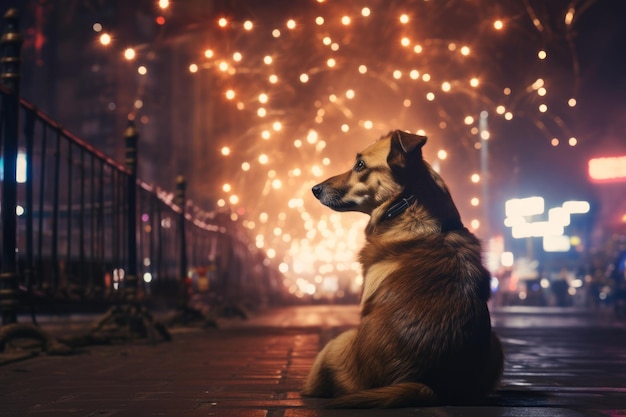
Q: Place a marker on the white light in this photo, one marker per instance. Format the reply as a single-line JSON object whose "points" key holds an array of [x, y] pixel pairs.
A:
{"points": [[514, 221], [520, 232], [577, 283], [520, 207], [576, 207], [20, 169], [507, 259], [543, 229], [559, 215], [556, 244]]}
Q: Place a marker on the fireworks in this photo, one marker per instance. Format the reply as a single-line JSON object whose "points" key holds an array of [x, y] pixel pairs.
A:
{"points": [[301, 86]]}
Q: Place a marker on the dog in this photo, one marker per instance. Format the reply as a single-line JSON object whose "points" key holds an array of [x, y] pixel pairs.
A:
{"points": [[424, 336]]}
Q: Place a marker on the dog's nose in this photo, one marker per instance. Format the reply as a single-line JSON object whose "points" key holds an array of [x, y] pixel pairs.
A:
{"points": [[317, 190]]}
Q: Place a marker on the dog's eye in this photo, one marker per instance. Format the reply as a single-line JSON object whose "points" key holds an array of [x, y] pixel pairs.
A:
{"points": [[359, 166]]}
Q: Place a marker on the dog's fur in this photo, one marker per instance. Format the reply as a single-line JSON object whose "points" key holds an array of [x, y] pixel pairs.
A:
{"points": [[425, 333]]}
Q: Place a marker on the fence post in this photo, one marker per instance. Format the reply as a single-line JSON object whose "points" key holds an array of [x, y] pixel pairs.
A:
{"points": [[180, 202], [132, 318], [185, 314], [131, 136], [10, 44]]}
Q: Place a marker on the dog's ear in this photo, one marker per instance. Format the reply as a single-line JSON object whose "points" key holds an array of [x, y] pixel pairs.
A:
{"points": [[404, 145]]}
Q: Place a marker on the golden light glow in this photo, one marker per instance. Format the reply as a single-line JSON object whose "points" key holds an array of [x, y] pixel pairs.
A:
{"points": [[129, 54], [300, 93], [569, 16], [105, 39]]}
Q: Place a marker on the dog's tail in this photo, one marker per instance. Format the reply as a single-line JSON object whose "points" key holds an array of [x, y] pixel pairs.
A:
{"points": [[404, 394]]}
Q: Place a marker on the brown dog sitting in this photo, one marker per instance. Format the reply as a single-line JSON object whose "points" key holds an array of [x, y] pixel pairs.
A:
{"points": [[425, 334]]}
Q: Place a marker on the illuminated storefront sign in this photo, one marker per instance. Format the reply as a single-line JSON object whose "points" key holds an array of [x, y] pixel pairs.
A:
{"points": [[518, 217], [608, 169]]}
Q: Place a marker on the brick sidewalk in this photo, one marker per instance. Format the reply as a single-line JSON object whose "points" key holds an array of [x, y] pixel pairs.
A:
{"points": [[252, 370]]}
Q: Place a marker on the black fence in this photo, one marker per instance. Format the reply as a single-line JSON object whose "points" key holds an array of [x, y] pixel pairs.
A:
{"points": [[79, 230]]}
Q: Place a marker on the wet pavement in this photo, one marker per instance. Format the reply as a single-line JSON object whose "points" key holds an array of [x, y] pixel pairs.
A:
{"points": [[559, 362]]}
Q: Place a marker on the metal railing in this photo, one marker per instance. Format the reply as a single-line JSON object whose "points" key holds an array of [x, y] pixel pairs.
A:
{"points": [[79, 228]]}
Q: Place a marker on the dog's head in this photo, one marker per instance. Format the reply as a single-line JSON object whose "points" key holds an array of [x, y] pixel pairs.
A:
{"points": [[390, 172]]}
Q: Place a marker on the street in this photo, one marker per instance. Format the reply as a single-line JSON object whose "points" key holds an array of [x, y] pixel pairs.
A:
{"points": [[559, 362]]}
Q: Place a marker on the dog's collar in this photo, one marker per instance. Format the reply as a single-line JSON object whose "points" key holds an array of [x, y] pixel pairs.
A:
{"points": [[399, 207], [451, 225]]}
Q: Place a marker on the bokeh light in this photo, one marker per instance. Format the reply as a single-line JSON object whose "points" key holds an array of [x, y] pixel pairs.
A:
{"points": [[298, 91]]}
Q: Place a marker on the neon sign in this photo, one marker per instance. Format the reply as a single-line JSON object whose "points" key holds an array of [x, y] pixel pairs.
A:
{"points": [[607, 169]]}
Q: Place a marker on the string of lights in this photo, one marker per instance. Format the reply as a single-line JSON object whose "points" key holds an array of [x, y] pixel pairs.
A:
{"points": [[307, 84]]}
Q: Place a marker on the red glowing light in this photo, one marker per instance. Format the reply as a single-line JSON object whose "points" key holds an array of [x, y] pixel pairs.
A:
{"points": [[608, 169]]}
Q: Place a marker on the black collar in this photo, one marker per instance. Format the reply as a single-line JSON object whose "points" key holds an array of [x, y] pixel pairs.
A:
{"points": [[399, 207]]}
